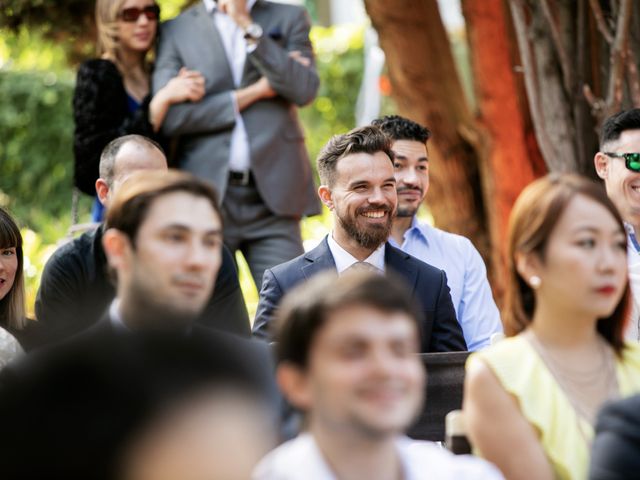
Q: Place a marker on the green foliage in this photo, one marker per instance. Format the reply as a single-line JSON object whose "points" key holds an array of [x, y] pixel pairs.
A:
{"points": [[339, 57], [36, 159], [36, 125]]}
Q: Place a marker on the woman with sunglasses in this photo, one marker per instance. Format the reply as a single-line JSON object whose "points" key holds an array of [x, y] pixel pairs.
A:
{"points": [[112, 92], [530, 400]]}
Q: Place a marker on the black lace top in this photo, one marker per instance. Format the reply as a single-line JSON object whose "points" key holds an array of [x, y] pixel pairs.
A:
{"points": [[101, 114]]}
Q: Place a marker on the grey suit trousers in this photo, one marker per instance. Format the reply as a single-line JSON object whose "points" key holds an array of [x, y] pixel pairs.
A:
{"points": [[265, 239]]}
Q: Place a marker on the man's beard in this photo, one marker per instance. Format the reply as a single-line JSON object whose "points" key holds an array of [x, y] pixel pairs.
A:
{"points": [[371, 236], [404, 212]]}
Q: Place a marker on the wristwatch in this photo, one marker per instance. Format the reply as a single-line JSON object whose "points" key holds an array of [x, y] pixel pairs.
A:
{"points": [[253, 32]]}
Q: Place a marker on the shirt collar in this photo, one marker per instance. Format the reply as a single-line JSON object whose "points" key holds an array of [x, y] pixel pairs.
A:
{"points": [[211, 5], [344, 259], [422, 229], [116, 318], [634, 245]]}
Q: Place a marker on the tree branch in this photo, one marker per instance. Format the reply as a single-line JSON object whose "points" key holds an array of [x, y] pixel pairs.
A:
{"points": [[599, 17], [565, 65], [618, 58], [530, 80]]}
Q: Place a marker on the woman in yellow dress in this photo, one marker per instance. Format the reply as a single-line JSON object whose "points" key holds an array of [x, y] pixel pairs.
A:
{"points": [[530, 400]]}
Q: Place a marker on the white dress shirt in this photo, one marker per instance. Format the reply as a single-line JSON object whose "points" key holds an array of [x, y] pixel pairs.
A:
{"points": [[344, 259], [301, 459], [236, 48]]}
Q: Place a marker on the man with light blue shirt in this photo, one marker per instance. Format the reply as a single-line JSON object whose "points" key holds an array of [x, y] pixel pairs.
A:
{"points": [[466, 273]]}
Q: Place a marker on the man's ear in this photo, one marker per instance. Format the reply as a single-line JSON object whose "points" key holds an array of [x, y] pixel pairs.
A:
{"points": [[324, 192], [102, 189], [117, 248], [294, 384], [601, 162]]}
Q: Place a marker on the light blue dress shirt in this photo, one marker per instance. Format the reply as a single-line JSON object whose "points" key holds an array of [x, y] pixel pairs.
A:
{"points": [[476, 310]]}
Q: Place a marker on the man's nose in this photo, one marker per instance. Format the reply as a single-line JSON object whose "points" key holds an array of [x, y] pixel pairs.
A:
{"points": [[377, 196], [198, 255], [410, 177]]}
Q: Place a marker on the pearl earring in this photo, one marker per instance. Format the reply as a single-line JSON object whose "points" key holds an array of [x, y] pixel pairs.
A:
{"points": [[535, 282]]}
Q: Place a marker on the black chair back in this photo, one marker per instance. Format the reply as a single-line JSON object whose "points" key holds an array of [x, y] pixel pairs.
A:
{"points": [[445, 378]]}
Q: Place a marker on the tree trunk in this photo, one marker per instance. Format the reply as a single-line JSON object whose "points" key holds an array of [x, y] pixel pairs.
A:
{"points": [[427, 89], [507, 160]]}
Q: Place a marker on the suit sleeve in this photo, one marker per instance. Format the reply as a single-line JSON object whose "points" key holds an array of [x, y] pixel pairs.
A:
{"points": [[270, 296], [216, 110], [292, 80], [616, 447], [226, 309], [446, 334]]}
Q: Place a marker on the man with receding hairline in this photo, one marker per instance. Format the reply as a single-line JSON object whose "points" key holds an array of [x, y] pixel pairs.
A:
{"points": [[75, 289]]}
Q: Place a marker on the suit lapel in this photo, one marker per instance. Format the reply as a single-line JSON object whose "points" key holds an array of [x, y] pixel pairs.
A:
{"points": [[398, 261], [209, 42], [319, 259]]}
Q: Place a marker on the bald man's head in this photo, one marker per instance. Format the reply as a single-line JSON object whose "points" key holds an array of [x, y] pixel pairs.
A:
{"points": [[123, 156]]}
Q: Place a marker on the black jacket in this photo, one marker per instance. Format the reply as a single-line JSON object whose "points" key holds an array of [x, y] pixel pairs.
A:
{"points": [[615, 451], [101, 114], [75, 291]]}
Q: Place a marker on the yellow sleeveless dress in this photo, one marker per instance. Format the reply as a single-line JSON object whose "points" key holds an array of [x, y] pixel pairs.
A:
{"points": [[524, 375]]}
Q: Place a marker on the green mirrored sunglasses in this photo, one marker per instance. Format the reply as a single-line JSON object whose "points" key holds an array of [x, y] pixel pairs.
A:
{"points": [[631, 160]]}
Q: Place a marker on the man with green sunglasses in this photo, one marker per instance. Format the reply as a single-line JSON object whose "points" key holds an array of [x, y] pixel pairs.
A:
{"points": [[618, 164]]}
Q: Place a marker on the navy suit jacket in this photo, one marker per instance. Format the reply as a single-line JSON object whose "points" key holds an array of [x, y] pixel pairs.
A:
{"points": [[440, 329]]}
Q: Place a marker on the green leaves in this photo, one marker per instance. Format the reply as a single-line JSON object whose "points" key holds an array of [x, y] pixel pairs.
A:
{"points": [[36, 158]]}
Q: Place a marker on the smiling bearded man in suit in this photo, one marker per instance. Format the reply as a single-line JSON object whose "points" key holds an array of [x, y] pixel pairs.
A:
{"points": [[358, 186]]}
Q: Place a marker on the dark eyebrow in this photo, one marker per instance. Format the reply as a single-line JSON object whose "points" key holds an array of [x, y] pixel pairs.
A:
{"points": [[184, 228], [397, 156]]}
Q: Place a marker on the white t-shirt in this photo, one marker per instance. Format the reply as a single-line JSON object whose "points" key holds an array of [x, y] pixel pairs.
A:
{"points": [[300, 459]]}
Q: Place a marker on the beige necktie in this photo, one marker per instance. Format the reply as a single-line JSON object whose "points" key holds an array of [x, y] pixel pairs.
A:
{"points": [[362, 267]]}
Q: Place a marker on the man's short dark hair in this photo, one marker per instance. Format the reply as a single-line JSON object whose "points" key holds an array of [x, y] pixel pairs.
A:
{"points": [[613, 126], [132, 201], [400, 128], [368, 139], [306, 308], [110, 152]]}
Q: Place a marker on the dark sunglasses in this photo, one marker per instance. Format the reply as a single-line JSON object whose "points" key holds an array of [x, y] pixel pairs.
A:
{"points": [[152, 12], [631, 160]]}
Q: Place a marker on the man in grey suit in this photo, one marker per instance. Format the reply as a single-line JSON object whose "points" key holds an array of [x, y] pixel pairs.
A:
{"points": [[244, 135], [359, 188]]}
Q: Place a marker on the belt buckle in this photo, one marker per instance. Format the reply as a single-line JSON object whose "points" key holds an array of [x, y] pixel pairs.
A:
{"points": [[241, 177]]}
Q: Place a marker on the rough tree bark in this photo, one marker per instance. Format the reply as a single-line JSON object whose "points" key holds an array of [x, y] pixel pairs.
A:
{"points": [[510, 159], [427, 89], [480, 162]]}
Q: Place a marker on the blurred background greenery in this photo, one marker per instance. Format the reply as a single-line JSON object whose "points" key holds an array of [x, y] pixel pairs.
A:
{"points": [[37, 75]]}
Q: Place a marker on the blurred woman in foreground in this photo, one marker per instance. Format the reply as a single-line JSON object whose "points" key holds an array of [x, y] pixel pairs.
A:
{"points": [[530, 401]]}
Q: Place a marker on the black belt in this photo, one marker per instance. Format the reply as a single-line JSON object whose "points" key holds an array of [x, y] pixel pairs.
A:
{"points": [[240, 178]]}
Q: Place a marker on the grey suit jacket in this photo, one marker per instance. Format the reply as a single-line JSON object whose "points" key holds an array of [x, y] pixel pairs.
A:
{"points": [[279, 159], [440, 329]]}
